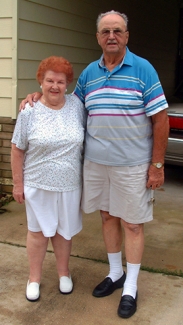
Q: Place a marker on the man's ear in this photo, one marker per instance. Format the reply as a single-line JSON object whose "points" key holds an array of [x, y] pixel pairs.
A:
{"points": [[98, 39], [127, 37]]}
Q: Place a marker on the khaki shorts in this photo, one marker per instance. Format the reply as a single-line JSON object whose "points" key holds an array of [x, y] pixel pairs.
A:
{"points": [[121, 191], [52, 212]]}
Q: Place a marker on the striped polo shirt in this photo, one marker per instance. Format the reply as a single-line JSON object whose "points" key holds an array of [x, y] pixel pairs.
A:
{"points": [[120, 104]]}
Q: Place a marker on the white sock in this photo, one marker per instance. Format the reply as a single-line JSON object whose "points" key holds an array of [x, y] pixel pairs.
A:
{"points": [[115, 264], [130, 285]]}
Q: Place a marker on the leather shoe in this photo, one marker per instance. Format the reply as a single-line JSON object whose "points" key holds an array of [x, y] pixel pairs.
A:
{"points": [[127, 306], [107, 286], [32, 291], [66, 284]]}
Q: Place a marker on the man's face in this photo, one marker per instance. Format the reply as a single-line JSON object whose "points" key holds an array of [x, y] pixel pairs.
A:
{"points": [[112, 35]]}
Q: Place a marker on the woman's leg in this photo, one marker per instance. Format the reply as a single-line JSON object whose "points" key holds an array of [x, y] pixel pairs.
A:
{"points": [[62, 250], [36, 251]]}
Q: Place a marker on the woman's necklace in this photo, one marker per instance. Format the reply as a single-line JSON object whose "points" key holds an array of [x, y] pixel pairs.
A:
{"points": [[56, 107]]}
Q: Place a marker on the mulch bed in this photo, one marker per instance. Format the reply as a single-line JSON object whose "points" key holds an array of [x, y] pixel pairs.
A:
{"points": [[5, 199]]}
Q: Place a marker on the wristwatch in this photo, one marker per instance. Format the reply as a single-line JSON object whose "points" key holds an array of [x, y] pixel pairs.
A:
{"points": [[157, 165]]}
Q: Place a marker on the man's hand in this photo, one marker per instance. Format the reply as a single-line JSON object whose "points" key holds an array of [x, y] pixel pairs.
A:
{"points": [[30, 99], [18, 193], [155, 177]]}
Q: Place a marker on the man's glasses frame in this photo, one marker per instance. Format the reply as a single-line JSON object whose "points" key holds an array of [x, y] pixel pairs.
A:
{"points": [[116, 32]]}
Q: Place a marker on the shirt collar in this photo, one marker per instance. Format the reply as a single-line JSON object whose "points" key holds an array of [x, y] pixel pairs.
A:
{"points": [[127, 60]]}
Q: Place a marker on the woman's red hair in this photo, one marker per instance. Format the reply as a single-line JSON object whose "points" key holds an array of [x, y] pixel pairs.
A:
{"points": [[56, 64]]}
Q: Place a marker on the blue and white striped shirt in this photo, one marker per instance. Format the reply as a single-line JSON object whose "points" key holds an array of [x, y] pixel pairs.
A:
{"points": [[120, 104]]}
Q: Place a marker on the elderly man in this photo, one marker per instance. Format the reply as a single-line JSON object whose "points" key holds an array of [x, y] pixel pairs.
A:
{"points": [[126, 138]]}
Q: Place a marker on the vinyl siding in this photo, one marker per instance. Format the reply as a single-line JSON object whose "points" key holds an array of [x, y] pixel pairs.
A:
{"points": [[60, 28], [6, 57]]}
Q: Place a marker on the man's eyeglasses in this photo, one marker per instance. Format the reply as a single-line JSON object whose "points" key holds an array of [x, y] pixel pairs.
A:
{"points": [[107, 32]]}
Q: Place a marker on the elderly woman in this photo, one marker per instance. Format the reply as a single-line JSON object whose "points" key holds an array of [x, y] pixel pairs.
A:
{"points": [[47, 149]]}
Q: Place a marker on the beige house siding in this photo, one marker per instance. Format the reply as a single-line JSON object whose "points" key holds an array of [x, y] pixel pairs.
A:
{"points": [[54, 28], [6, 23]]}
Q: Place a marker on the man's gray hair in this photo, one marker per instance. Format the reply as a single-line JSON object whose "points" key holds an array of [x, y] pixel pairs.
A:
{"points": [[110, 13]]}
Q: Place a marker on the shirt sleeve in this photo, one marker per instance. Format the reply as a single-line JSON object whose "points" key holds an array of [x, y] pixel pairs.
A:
{"points": [[154, 98], [20, 137], [79, 89]]}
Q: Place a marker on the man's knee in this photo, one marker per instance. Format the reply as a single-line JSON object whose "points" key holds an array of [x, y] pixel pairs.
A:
{"points": [[136, 229], [106, 217]]}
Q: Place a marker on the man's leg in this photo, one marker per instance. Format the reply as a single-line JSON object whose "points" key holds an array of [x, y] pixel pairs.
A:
{"points": [[112, 234], [134, 247]]}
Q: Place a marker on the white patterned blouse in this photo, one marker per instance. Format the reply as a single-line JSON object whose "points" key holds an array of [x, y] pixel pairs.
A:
{"points": [[53, 144]]}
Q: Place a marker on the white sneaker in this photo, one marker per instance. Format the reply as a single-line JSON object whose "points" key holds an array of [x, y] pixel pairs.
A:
{"points": [[66, 284], [32, 291]]}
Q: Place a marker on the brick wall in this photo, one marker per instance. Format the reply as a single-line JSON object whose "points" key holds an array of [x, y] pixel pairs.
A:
{"points": [[6, 131]]}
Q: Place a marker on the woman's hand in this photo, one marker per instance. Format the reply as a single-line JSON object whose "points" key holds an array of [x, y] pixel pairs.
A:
{"points": [[30, 99], [18, 193]]}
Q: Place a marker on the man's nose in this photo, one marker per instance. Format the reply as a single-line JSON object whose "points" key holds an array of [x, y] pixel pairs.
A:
{"points": [[111, 33]]}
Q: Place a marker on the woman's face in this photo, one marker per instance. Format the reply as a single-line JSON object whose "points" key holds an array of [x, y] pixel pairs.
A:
{"points": [[54, 86]]}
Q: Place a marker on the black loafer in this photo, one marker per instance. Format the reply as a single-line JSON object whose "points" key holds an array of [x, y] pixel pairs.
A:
{"points": [[127, 306], [107, 286]]}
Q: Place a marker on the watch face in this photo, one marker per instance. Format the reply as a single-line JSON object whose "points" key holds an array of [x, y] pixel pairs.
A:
{"points": [[157, 165]]}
